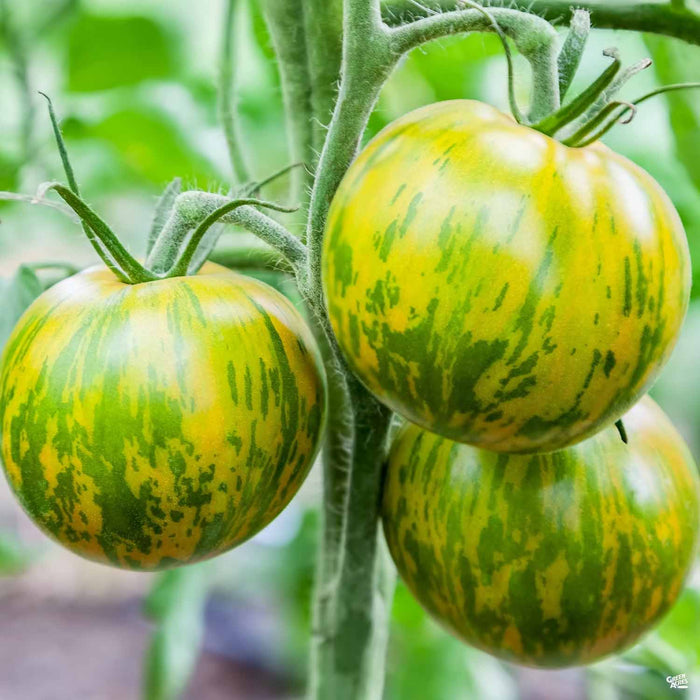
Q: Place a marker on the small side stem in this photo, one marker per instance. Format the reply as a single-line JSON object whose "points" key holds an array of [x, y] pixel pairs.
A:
{"points": [[18, 54], [285, 21], [657, 18], [535, 38], [227, 96], [193, 208]]}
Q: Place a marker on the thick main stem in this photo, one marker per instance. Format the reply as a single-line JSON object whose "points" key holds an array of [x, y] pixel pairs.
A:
{"points": [[351, 656]]}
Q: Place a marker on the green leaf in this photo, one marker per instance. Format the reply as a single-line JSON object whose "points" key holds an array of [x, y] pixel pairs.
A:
{"points": [[177, 604], [680, 627], [106, 52], [17, 293], [676, 62], [13, 557]]}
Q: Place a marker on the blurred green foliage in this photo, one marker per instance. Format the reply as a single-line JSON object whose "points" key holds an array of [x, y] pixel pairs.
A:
{"points": [[135, 84]]}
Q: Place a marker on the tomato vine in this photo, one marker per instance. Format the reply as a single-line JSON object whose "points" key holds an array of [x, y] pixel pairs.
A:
{"points": [[356, 45]]}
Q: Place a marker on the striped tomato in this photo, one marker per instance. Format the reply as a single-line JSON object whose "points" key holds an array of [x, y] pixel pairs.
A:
{"points": [[551, 559], [497, 287], [153, 425]]}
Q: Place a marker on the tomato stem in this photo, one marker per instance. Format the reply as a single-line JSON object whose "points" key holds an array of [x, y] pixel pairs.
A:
{"points": [[183, 263], [198, 211], [226, 93]]}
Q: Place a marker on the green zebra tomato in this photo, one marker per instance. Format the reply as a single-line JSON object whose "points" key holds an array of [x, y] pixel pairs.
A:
{"points": [[158, 424], [552, 559], [497, 287]]}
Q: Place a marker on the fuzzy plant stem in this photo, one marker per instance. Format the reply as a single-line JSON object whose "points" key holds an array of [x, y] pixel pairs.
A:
{"points": [[190, 209], [353, 584], [287, 25], [228, 114], [674, 19]]}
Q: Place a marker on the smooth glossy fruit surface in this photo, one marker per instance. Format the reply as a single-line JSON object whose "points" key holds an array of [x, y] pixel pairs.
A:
{"points": [[497, 287], [546, 560], [158, 424]]}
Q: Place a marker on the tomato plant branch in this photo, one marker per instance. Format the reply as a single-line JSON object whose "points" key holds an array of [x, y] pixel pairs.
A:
{"points": [[535, 38], [182, 265], [324, 31], [227, 96], [672, 19], [192, 208], [250, 255], [18, 55], [285, 21]]}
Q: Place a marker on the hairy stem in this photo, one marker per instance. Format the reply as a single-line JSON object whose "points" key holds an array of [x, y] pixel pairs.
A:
{"points": [[192, 208], [285, 20], [324, 32], [227, 96], [672, 19], [572, 51], [535, 38], [357, 644], [250, 255], [337, 465]]}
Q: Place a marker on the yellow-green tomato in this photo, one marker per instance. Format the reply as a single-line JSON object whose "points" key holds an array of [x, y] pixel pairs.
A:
{"points": [[497, 287], [552, 559], [152, 425]]}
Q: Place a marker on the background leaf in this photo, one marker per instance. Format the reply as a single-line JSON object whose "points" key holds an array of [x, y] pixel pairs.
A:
{"points": [[676, 62], [177, 604], [13, 557], [17, 293], [106, 52]]}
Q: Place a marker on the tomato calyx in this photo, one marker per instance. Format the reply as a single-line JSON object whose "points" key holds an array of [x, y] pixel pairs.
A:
{"points": [[593, 112], [175, 239]]}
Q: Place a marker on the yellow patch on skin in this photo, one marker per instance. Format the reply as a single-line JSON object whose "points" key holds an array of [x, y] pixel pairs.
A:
{"points": [[550, 585], [588, 502], [512, 640]]}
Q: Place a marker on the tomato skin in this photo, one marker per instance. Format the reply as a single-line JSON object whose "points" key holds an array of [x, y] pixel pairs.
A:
{"points": [[497, 287], [546, 560], [154, 425]]}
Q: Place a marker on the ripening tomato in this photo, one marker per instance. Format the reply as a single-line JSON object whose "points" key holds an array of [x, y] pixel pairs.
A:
{"points": [[500, 288], [552, 559], [157, 424]]}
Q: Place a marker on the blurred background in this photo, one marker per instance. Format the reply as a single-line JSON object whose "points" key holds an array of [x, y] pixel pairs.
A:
{"points": [[134, 82]]}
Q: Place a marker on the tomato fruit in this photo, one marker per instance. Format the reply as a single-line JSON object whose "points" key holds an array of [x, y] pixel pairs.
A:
{"points": [[157, 424], [551, 559], [497, 287]]}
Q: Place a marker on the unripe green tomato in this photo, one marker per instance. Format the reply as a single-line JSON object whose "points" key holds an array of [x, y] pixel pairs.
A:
{"points": [[497, 287], [547, 560], [152, 425]]}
